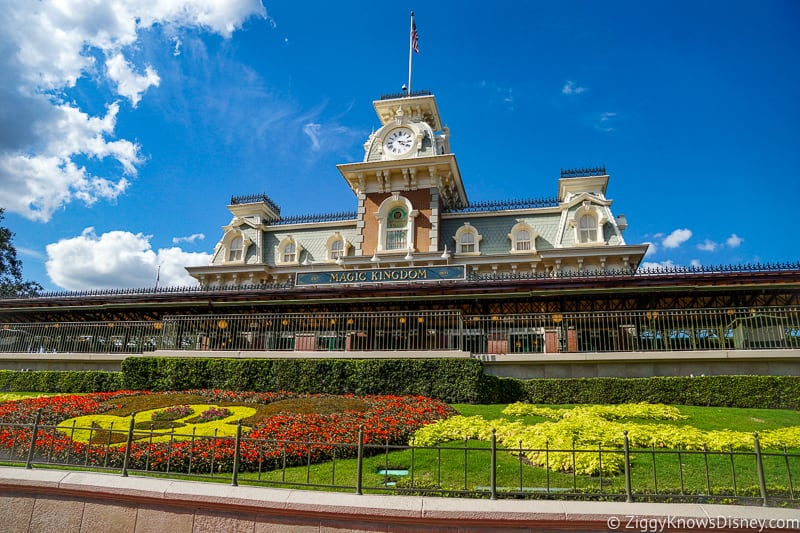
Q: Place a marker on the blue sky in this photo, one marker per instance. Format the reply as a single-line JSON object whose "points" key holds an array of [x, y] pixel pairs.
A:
{"points": [[126, 127]]}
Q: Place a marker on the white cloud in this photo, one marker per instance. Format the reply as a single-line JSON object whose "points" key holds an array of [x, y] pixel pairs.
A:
{"points": [[734, 241], [651, 248], [313, 131], [499, 93], [117, 259], [696, 263], [190, 238], [605, 121], [177, 45], [656, 265], [130, 84], [676, 238], [571, 88], [46, 141], [708, 246]]}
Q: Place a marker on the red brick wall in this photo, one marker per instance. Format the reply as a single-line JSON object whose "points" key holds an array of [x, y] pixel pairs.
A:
{"points": [[420, 200]]}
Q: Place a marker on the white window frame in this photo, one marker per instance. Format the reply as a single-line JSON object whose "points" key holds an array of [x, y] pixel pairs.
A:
{"points": [[587, 233], [387, 207], [466, 231], [528, 245], [236, 250], [229, 240], [337, 246], [597, 214], [282, 252]]}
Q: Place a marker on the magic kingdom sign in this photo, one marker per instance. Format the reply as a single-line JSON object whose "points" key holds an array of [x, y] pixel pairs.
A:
{"points": [[382, 275]]}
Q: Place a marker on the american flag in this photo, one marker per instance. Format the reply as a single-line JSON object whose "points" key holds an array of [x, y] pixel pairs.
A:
{"points": [[414, 37]]}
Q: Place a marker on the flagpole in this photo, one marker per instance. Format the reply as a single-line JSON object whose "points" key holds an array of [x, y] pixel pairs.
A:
{"points": [[410, 51]]}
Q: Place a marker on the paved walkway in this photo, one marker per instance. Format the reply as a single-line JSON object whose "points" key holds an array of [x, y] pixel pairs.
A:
{"points": [[43, 500]]}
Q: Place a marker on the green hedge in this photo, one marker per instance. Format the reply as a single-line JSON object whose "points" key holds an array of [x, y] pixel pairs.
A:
{"points": [[59, 381], [773, 392], [452, 380]]}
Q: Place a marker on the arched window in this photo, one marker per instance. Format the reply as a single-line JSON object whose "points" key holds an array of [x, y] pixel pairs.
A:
{"points": [[235, 249], [397, 229], [468, 240], [395, 218], [467, 244], [522, 240], [587, 229], [289, 253], [337, 249]]}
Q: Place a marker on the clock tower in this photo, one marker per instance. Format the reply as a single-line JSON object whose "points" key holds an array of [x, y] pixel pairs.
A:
{"points": [[408, 176]]}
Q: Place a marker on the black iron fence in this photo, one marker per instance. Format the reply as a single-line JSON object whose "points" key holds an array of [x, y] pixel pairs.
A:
{"points": [[586, 332], [468, 469]]}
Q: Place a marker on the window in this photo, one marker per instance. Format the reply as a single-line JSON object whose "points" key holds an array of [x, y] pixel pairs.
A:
{"points": [[337, 249], [467, 240], [235, 249], [397, 229], [522, 241], [289, 253], [395, 218], [467, 243], [587, 229]]}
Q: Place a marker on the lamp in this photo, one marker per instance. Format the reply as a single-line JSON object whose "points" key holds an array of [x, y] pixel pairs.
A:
{"points": [[375, 258], [339, 261], [446, 253], [409, 256]]}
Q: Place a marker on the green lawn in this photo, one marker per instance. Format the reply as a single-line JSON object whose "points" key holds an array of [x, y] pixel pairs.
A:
{"points": [[450, 466]]}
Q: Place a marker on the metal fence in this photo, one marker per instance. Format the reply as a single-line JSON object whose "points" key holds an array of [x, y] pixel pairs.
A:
{"points": [[586, 332], [80, 337], [468, 469], [632, 331], [388, 331]]}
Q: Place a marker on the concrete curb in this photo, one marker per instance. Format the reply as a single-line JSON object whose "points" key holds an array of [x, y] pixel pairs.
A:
{"points": [[62, 500]]}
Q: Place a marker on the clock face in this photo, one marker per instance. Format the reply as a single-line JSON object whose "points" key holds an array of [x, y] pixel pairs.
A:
{"points": [[399, 141]]}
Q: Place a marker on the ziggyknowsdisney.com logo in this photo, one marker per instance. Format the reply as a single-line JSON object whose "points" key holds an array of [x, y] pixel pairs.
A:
{"points": [[650, 524]]}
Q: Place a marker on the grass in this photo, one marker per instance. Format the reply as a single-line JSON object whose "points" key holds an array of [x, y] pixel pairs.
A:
{"points": [[653, 471], [465, 465]]}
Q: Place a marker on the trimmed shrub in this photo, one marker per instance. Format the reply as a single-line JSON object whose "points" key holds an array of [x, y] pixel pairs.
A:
{"points": [[59, 381], [451, 380], [772, 392]]}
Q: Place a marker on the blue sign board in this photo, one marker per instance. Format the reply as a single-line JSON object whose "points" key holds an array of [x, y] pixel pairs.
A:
{"points": [[381, 275]]}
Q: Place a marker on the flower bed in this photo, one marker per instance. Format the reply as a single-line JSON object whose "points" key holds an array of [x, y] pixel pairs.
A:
{"points": [[585, 427], [277, 428]]}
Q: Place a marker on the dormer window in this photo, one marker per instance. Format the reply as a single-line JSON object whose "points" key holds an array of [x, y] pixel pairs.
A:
{"points": [[236, 249], [467, 240], [523, 239], [587, 229], [288, 251], [337, 246], [467, 243], [337, 249]]}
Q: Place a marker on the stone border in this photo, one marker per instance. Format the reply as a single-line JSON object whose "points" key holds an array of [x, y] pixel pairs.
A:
{"points": [[55, 500]]}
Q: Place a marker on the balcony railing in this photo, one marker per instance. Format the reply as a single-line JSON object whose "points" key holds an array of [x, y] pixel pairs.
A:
{"points": [[677, 272], [435, 331]]}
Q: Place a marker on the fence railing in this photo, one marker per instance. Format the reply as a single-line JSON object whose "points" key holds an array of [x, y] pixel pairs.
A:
{"points": [[677, 272], [587, 332], [468, 469]]}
